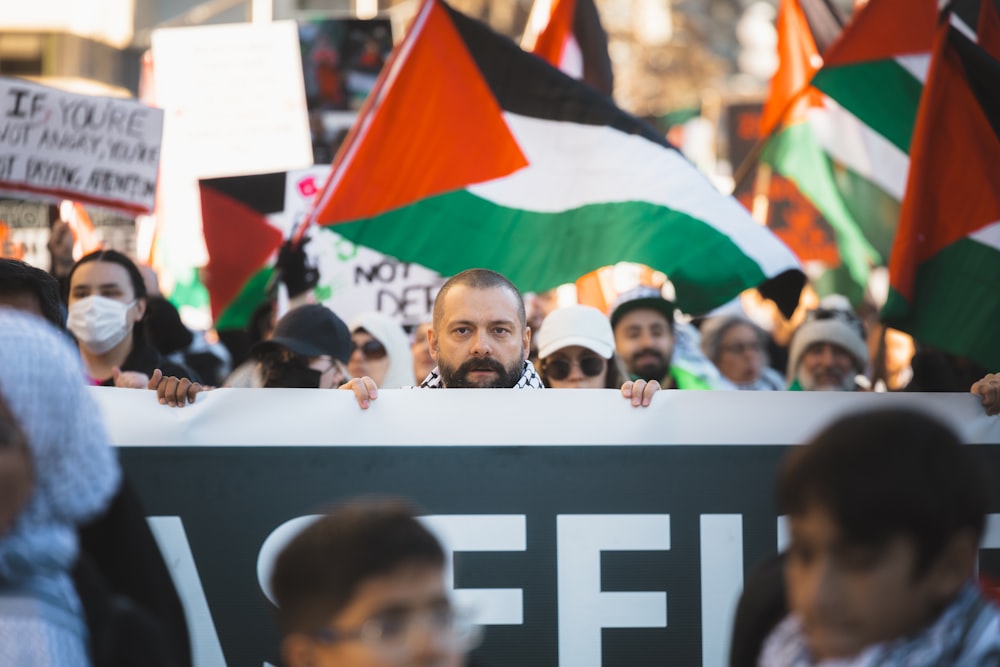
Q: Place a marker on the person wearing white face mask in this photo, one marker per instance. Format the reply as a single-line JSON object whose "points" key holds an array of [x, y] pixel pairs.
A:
{"points": [[107, 302]]}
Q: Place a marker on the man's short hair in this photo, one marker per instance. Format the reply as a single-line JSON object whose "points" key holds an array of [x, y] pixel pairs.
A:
{"points": [[887, 473], [17, 277], [317, 575], [479, 279]]}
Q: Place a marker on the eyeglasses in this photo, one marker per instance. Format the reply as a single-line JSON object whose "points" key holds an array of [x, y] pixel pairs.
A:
{"points": [[389, 632], [370, 349], [559, 369], [741, 348]]}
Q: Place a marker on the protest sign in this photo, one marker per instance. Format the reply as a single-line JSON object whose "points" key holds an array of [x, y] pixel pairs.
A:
{"points": [[96, 150], [582, 531], [235, 104], [353, 278]]}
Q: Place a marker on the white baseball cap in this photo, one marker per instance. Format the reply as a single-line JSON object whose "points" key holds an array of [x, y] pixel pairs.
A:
{"points": [[576, 325]]}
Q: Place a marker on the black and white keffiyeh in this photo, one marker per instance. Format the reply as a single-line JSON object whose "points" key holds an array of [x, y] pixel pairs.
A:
{"points": [[529, 379]]}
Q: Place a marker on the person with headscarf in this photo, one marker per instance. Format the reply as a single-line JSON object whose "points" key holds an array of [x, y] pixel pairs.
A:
{"points": [[76, 475], [381, 350]]}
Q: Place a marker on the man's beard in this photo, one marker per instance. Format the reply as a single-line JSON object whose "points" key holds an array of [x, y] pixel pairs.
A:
{"points": [[651, 370], [808, 382], [458, 378]]}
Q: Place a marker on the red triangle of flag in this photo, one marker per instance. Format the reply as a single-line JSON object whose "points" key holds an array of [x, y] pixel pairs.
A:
{"points": [[552, 40], [443, 124], [988, 30], [798, 60], [884, 29], [239, 241], [944, 204]]}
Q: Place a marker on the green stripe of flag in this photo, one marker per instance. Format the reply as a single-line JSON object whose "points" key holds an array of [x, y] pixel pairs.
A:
{"points": [[882, 93], [237, 313], [547, 249], [959, 299]]}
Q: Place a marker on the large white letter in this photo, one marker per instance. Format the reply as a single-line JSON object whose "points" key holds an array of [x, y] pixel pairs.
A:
{"points": [[482, 532], [721, 583], [583, 608], [169, 533]]}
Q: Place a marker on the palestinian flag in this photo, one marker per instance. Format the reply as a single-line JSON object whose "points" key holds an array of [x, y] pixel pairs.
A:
{"points": [[945, 267], [838, 164], [472, 152], [242, 244], [568, 34]]}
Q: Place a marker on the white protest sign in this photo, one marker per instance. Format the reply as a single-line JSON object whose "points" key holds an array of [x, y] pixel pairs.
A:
{"points": [[96, 150], [235, 104], [353, 278]]}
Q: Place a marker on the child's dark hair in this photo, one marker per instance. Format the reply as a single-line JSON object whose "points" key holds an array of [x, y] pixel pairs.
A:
{"points": [[318, 573], [886, 473]]}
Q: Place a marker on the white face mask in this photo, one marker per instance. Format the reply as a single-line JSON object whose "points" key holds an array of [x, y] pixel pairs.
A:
{"points": [[99, 323]]}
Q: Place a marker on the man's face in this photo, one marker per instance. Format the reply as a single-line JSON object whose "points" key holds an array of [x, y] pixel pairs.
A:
{"points": [[645, 343], [394, 620], [850, 596], [826, 367], [480, 341]]}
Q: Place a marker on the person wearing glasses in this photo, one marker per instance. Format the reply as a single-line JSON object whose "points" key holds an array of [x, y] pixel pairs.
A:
{"points": [[364, 586], [738, 348], [828, 351], [576, 350], [309, 349], [381, 350]]}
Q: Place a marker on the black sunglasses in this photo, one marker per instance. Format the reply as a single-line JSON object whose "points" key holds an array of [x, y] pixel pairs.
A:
{"points": [[371, 349], [558, 369]]}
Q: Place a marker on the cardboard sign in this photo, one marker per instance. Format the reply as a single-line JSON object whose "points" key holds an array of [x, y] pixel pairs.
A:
{"points": [[581, 531], [96, 150]]}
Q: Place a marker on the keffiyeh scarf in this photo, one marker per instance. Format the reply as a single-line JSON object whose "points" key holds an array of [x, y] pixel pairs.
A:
{"points": [[966, 634], [529, 379]]}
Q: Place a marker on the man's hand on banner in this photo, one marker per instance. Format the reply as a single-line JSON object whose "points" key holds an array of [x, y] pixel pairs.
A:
{"points": [[364, 388], [989, 390], [174, 391], [640, 392]]}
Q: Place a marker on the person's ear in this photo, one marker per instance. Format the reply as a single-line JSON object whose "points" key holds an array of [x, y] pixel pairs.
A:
{"points": [[140, 308], [526, 342], [954, 566], [432, 343]]}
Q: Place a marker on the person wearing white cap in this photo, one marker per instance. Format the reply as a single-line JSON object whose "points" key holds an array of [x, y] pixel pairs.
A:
{"points": [[576, 349]]}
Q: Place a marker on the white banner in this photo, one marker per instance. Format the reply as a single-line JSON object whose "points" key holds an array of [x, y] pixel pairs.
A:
{"points": [[582, 531], [96, 150]]}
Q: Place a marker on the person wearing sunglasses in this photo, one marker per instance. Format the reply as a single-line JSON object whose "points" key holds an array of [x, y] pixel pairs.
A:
{"points": [[576, 350], [381, 350], [309, 349], [828, 351], [364, 586]]}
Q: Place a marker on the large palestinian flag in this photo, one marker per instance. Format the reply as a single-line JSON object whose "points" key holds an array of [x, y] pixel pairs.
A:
{"points": [[242, 243], [473, 153], [945, 265]]}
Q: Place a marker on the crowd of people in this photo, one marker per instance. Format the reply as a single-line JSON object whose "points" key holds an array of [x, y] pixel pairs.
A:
{"points": [[882, 557]]}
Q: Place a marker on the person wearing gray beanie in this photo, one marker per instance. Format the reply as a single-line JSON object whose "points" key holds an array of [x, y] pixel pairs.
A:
{"points": [[828, 351]]}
